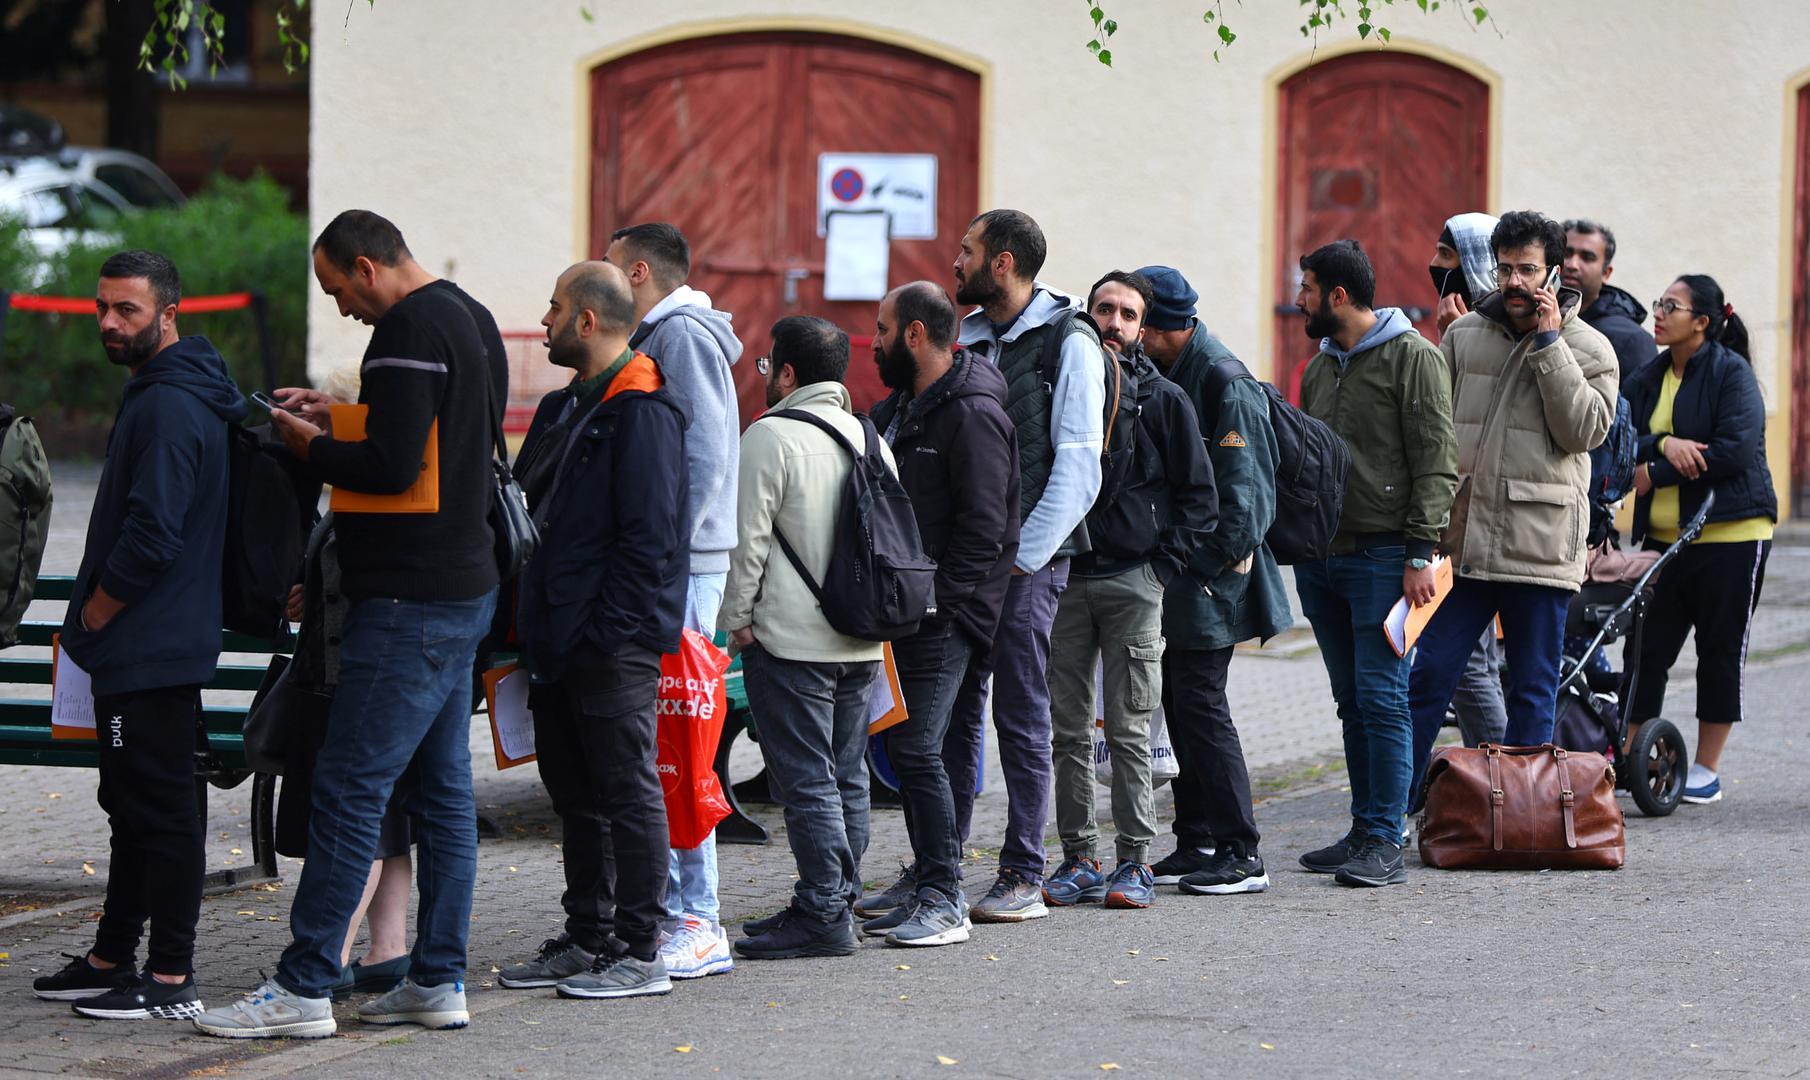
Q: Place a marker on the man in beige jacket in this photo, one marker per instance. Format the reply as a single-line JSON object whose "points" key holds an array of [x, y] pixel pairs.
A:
{"points": [[807, 684], [1533, 392]]}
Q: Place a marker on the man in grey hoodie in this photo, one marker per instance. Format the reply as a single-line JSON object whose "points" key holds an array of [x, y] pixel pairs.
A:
{"points": [[695, 346]]}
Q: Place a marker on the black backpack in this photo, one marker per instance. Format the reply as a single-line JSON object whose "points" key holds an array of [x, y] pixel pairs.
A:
{"points": [[1312, 464], [1612, 470], [1118, 450], [270, 503], [879, 584]]}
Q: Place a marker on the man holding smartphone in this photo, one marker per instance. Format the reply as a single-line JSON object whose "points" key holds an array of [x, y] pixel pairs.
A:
{"points": [[1533, 392]]}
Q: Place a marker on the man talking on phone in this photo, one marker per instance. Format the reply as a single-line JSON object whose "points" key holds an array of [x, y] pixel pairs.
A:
{"points": [[1533, 391]]}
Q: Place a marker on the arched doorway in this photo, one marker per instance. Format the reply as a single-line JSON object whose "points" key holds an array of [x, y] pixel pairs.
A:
{"points": [[722, 137], [1381, 147]]}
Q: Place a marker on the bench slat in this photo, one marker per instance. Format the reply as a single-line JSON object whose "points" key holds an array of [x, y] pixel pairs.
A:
{"points": [[226, 677], [38, 632]]}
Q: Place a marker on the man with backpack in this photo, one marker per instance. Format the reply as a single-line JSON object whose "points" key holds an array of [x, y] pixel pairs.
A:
{"points": [[1534, 389], [1232, 592], [144, 623], [958, 461], [1055, 375], [1384, 389], [423, 587], [1144, 528], [807, 681]]}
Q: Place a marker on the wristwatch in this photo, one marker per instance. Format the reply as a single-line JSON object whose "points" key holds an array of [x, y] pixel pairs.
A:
{"points": [[1418, 564]]}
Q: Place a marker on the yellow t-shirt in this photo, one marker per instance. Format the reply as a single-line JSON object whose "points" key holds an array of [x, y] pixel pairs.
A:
{"points": [[1662, 516]]}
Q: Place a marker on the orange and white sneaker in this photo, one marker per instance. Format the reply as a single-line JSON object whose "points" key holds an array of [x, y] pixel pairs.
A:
{"points": [[697, 948]]}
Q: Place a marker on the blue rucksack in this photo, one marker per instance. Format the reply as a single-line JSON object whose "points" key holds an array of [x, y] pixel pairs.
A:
{"points": [[1612, 469]]}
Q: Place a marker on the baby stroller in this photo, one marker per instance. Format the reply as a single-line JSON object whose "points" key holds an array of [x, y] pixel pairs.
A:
{"points": [[1593, 700]]}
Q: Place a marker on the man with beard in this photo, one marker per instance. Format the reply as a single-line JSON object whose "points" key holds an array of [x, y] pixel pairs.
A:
{"points": [[958, 460], [144, 623], [1384, 389], [1143, 532], [1610, 311], [601, 601], [1533, 392], [1055, 377]]}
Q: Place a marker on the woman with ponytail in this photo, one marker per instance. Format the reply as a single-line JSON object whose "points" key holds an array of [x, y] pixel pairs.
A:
{"points": [[1702, 429]]}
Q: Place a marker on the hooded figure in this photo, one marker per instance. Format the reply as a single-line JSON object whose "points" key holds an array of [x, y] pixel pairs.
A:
{"points": [[1468, 235]]}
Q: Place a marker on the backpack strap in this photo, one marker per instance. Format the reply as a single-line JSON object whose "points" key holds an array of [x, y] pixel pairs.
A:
{"points": [[805, 416], [1049, 365], [1219, 376]]}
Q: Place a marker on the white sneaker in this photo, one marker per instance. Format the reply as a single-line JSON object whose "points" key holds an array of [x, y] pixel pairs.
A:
{"points": [[270, 1012], [696, 949]]}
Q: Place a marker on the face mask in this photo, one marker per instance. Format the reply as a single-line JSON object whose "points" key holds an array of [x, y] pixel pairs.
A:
{"points": [[1451, 282]]}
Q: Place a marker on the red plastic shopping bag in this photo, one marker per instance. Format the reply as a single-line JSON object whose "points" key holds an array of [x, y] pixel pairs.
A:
{"points": [[690, 707]]}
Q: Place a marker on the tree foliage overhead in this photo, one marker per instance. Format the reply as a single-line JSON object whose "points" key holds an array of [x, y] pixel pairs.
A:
{"points": [[165, 46], [1320, 15]]}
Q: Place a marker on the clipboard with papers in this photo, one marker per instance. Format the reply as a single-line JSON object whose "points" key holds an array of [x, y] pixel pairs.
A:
{"points": [[422, 497], [1405, 621]]}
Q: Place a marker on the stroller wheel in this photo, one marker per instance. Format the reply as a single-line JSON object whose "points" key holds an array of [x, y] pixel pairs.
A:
{"points": [[1658, 763]]}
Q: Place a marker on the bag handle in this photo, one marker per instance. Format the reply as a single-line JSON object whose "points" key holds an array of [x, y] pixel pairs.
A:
{"points": [[1567, 798], [1494, 755]]}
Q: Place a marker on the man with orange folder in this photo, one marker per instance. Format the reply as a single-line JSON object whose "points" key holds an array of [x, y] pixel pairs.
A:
{"points": [[423, 588]]}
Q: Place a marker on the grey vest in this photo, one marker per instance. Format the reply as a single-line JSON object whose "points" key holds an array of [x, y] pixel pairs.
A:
{"points": [[1028, 399]]}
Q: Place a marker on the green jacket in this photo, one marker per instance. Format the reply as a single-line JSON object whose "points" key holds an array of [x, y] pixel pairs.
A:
{"points": [[1392, 404], [1220, 604]]}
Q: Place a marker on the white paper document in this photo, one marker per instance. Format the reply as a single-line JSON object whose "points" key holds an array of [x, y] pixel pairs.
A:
{"points": [[857, 253], [71, 698], [511, 724]]}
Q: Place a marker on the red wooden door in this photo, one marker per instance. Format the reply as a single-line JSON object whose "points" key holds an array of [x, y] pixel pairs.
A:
{"points": [[721, 137], [1381, 148], [1800, 318]]}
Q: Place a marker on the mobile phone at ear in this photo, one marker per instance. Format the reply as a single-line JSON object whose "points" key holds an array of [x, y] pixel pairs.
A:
{"points": [[1552, 281]]}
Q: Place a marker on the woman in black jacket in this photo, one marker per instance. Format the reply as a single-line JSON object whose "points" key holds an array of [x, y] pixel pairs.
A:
{"points": [[1702, 429]]}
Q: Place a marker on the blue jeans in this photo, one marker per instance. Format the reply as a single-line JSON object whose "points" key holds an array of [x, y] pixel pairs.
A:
{"points": [[401, 721], [1346, 598], [1533, 637], [691, 872]]}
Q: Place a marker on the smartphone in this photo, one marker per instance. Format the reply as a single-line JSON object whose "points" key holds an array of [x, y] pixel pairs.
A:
{"points": [[1552, 281], [268, 403]]}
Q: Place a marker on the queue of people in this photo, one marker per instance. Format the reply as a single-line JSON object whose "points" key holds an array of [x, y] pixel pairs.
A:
{"points": [[1094, 478]]}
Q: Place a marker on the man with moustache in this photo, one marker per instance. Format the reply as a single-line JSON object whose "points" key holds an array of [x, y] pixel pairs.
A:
{"points": [[958, 460], [1384, 389], [144, 623], [601, 601], [1143, 534]]}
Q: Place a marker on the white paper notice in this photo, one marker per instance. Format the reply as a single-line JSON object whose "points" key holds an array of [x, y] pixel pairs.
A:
{"points": [[71, 698], [511, 721], [857, 251]]}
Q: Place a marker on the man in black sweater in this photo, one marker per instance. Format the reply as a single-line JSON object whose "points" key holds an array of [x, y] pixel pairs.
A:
{"points": [[958, 460], [423, 588]]}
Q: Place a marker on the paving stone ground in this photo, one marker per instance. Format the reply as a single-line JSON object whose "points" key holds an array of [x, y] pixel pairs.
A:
{"points": [[1691, 960]]}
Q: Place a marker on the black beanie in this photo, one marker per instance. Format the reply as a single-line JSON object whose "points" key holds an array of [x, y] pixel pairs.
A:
{"points": [[1171, 298]]}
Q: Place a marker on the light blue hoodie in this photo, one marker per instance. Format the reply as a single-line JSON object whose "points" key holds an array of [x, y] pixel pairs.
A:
{"points": [[1391, 323]]}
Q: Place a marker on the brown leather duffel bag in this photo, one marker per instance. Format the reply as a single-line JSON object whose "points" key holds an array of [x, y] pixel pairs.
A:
{"points": [[1520, 808]]}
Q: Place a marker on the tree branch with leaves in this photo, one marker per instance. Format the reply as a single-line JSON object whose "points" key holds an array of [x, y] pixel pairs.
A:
{"points": [[1321, 15]]}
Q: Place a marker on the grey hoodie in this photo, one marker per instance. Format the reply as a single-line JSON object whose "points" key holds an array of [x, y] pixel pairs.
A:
{"points": [[1391, 323], [695, 345]]}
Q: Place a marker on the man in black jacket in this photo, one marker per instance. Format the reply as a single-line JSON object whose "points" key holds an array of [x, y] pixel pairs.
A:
{"points": [[600, 603], [423, 588], [144, 623], [957, 456], [1144, 530], [1589, 263]]}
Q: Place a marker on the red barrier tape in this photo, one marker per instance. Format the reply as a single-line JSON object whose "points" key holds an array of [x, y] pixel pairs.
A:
{"points": [[76, 305]]}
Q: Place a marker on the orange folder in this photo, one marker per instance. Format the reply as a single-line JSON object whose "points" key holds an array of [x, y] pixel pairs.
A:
{"points": [[422, 497], [1405, 621]]}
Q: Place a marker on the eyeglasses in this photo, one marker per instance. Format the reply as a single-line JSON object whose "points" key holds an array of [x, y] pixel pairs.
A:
{"points": [[764, 365], [1665, 305], [1526, 271]]}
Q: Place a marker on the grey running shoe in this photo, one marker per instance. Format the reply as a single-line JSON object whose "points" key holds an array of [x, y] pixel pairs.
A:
{"points": [[618, 977], [895, 895], [935, 920], [1013, 898], [439, 1007], [881, 925], [559, 958], [145, 998], [270, 1012]]}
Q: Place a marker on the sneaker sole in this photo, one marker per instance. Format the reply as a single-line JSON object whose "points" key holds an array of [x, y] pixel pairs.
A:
{"points": [[73, 995], [184, 1010], [867, 929], [1399, 877], [1118, 901], [1701, 800], [1024, 914], [1317, 868], [537, 983], [1260, 883], [1086, 896], [302, 1029], [803, 951], [652, 989], [955, 935], [438, 1020], [715, 967], [872, 912], [1170, 879]]}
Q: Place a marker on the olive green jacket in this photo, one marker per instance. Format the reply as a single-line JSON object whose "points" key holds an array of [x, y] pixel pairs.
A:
{"points": [[1392, 404]]}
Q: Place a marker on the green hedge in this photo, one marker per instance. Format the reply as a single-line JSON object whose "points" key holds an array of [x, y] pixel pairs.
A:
{"points": [[234, 236]]}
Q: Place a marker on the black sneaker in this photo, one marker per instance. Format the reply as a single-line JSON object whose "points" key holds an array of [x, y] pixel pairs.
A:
{"points": [[897, 893], [801, 935], [1178, 864], [1229, 871], [1377, 863], [768, 923], [79, 979], [145, 998], [1327, 860], [882, 925]]}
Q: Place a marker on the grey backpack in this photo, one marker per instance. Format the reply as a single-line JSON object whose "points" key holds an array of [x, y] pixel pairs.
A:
{"points": [[24, 517]]}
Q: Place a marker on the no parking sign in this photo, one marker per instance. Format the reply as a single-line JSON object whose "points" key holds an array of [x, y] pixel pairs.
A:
{"points": [[903, 185]]}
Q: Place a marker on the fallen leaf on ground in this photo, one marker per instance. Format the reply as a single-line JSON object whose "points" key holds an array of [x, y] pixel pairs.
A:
{"points": [[1266, 1046], [1120, 982], [1108, 1066], [248, 913], [941, 1060], [901, 967], [1132, 952], [235, 851], [989, 956], [681, 1049], [54, 795], [88, 868]]}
